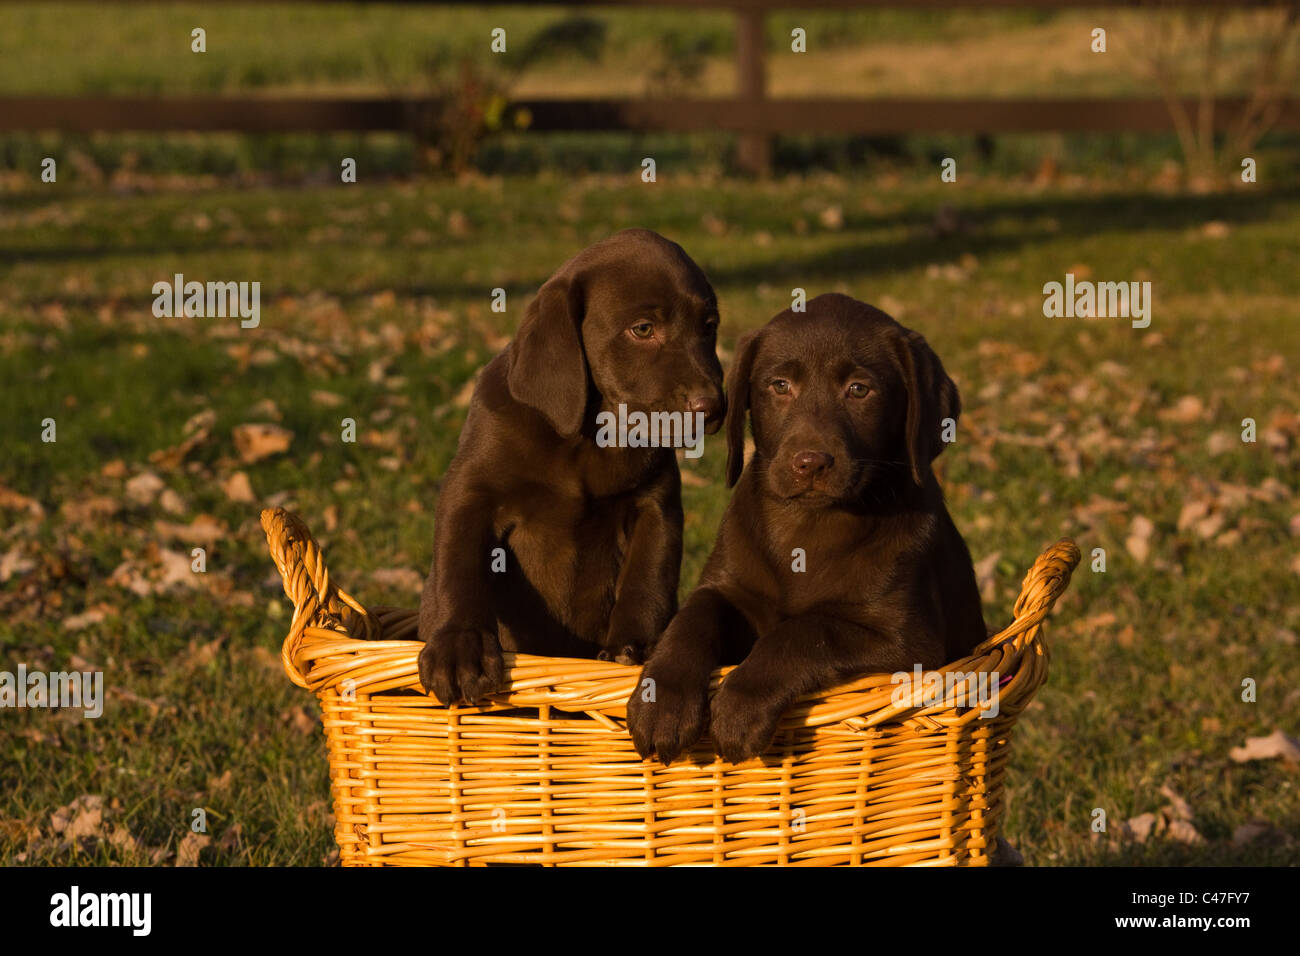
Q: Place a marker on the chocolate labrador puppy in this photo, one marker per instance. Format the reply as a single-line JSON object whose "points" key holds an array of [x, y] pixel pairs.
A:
{"points": [[548, 540], [836, 556]]}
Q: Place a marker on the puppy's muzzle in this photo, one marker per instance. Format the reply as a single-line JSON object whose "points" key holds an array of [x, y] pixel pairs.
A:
{"points": [[810, 469], [713, 407]]}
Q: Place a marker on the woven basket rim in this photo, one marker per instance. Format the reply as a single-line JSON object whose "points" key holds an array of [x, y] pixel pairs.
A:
{"points": [[337, 643]]}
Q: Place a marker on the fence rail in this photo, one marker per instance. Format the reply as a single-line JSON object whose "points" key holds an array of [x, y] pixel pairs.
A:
{"points": [[752, 114], [262, 114]]}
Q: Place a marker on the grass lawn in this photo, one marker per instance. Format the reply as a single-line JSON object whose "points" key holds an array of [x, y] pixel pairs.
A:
{"points": [[375, 306], [145, 49]]}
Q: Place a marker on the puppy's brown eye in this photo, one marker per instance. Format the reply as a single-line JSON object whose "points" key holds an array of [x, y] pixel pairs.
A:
{"points": [[781, 386], [643, 330], [858, 390], [711, 325]]}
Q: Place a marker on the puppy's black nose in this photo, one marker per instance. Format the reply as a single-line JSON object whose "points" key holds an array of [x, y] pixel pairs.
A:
{"points": [[812, 464]]}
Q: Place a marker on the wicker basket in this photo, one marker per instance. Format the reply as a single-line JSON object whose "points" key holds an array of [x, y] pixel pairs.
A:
{"points": [[546, 772]]}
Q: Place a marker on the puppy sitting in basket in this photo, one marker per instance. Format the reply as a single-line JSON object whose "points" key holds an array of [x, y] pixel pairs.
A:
{"points": [[548, 541], [836, 556]]}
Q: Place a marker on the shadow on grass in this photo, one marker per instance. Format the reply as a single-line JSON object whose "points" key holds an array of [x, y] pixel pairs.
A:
{"points": [[1074, 217]]}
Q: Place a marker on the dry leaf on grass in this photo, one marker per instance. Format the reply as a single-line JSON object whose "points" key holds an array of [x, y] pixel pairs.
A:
{"points": [[232, 838], [256, 441], [1141, 827], [238, 488], [144, 488], [187, 854], [1179, 809], [12, 499], [92, 510], [1138, 541], [203, 530], [1276, 744], [266, 408], [122, 838], [1184, 832], [326, 399], [197, 431], [200, 655], [82, 817], [1186, 411], [299, 719], [14, 562], [77, 622]]}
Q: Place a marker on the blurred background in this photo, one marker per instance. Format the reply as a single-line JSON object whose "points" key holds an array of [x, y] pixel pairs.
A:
{"points": [[776, 170]]}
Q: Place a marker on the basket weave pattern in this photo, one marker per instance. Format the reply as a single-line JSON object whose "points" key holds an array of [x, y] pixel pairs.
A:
{"points": [[545, 772]]}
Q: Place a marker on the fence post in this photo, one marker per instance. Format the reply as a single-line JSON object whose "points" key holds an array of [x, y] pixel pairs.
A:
{"points": [[754, 150]]}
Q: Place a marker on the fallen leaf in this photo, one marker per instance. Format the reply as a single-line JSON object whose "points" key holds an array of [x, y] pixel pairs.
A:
{"points": [[77, 622], [257, 441], [1185, 411], [187, 854], [231, 839], [200, 655], [197, 430], [1139, 828], [80, 818], [14, 562], [1138, 542], [238, 488], [122, 839], [90, 510], [266, 408], [203, 530], [144, 488], [1184, 832], [1221, 442], [299, 719], [1276, 744], [12, 499], [1180, 807], [327, 399]]}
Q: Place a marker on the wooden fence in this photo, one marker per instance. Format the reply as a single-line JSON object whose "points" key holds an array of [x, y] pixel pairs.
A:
{"points": [[751, 113]]}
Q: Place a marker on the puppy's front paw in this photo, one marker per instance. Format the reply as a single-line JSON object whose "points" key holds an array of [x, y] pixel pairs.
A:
{"points": [[742, 724], [630, 654], [627, 645], [666, 713], [462, 664]]}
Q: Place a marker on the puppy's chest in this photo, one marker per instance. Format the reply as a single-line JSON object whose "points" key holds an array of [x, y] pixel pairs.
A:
{"points": [[803, 573], [567, 546]]}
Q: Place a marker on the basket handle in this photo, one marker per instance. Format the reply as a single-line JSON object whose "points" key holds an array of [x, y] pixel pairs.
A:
{"points": [[317, 601], [1044, 583]]}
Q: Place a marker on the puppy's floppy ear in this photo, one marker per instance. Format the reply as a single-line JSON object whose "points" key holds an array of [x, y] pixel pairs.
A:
{"points": [[548, 366], [738, 403], [931, 398]]}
